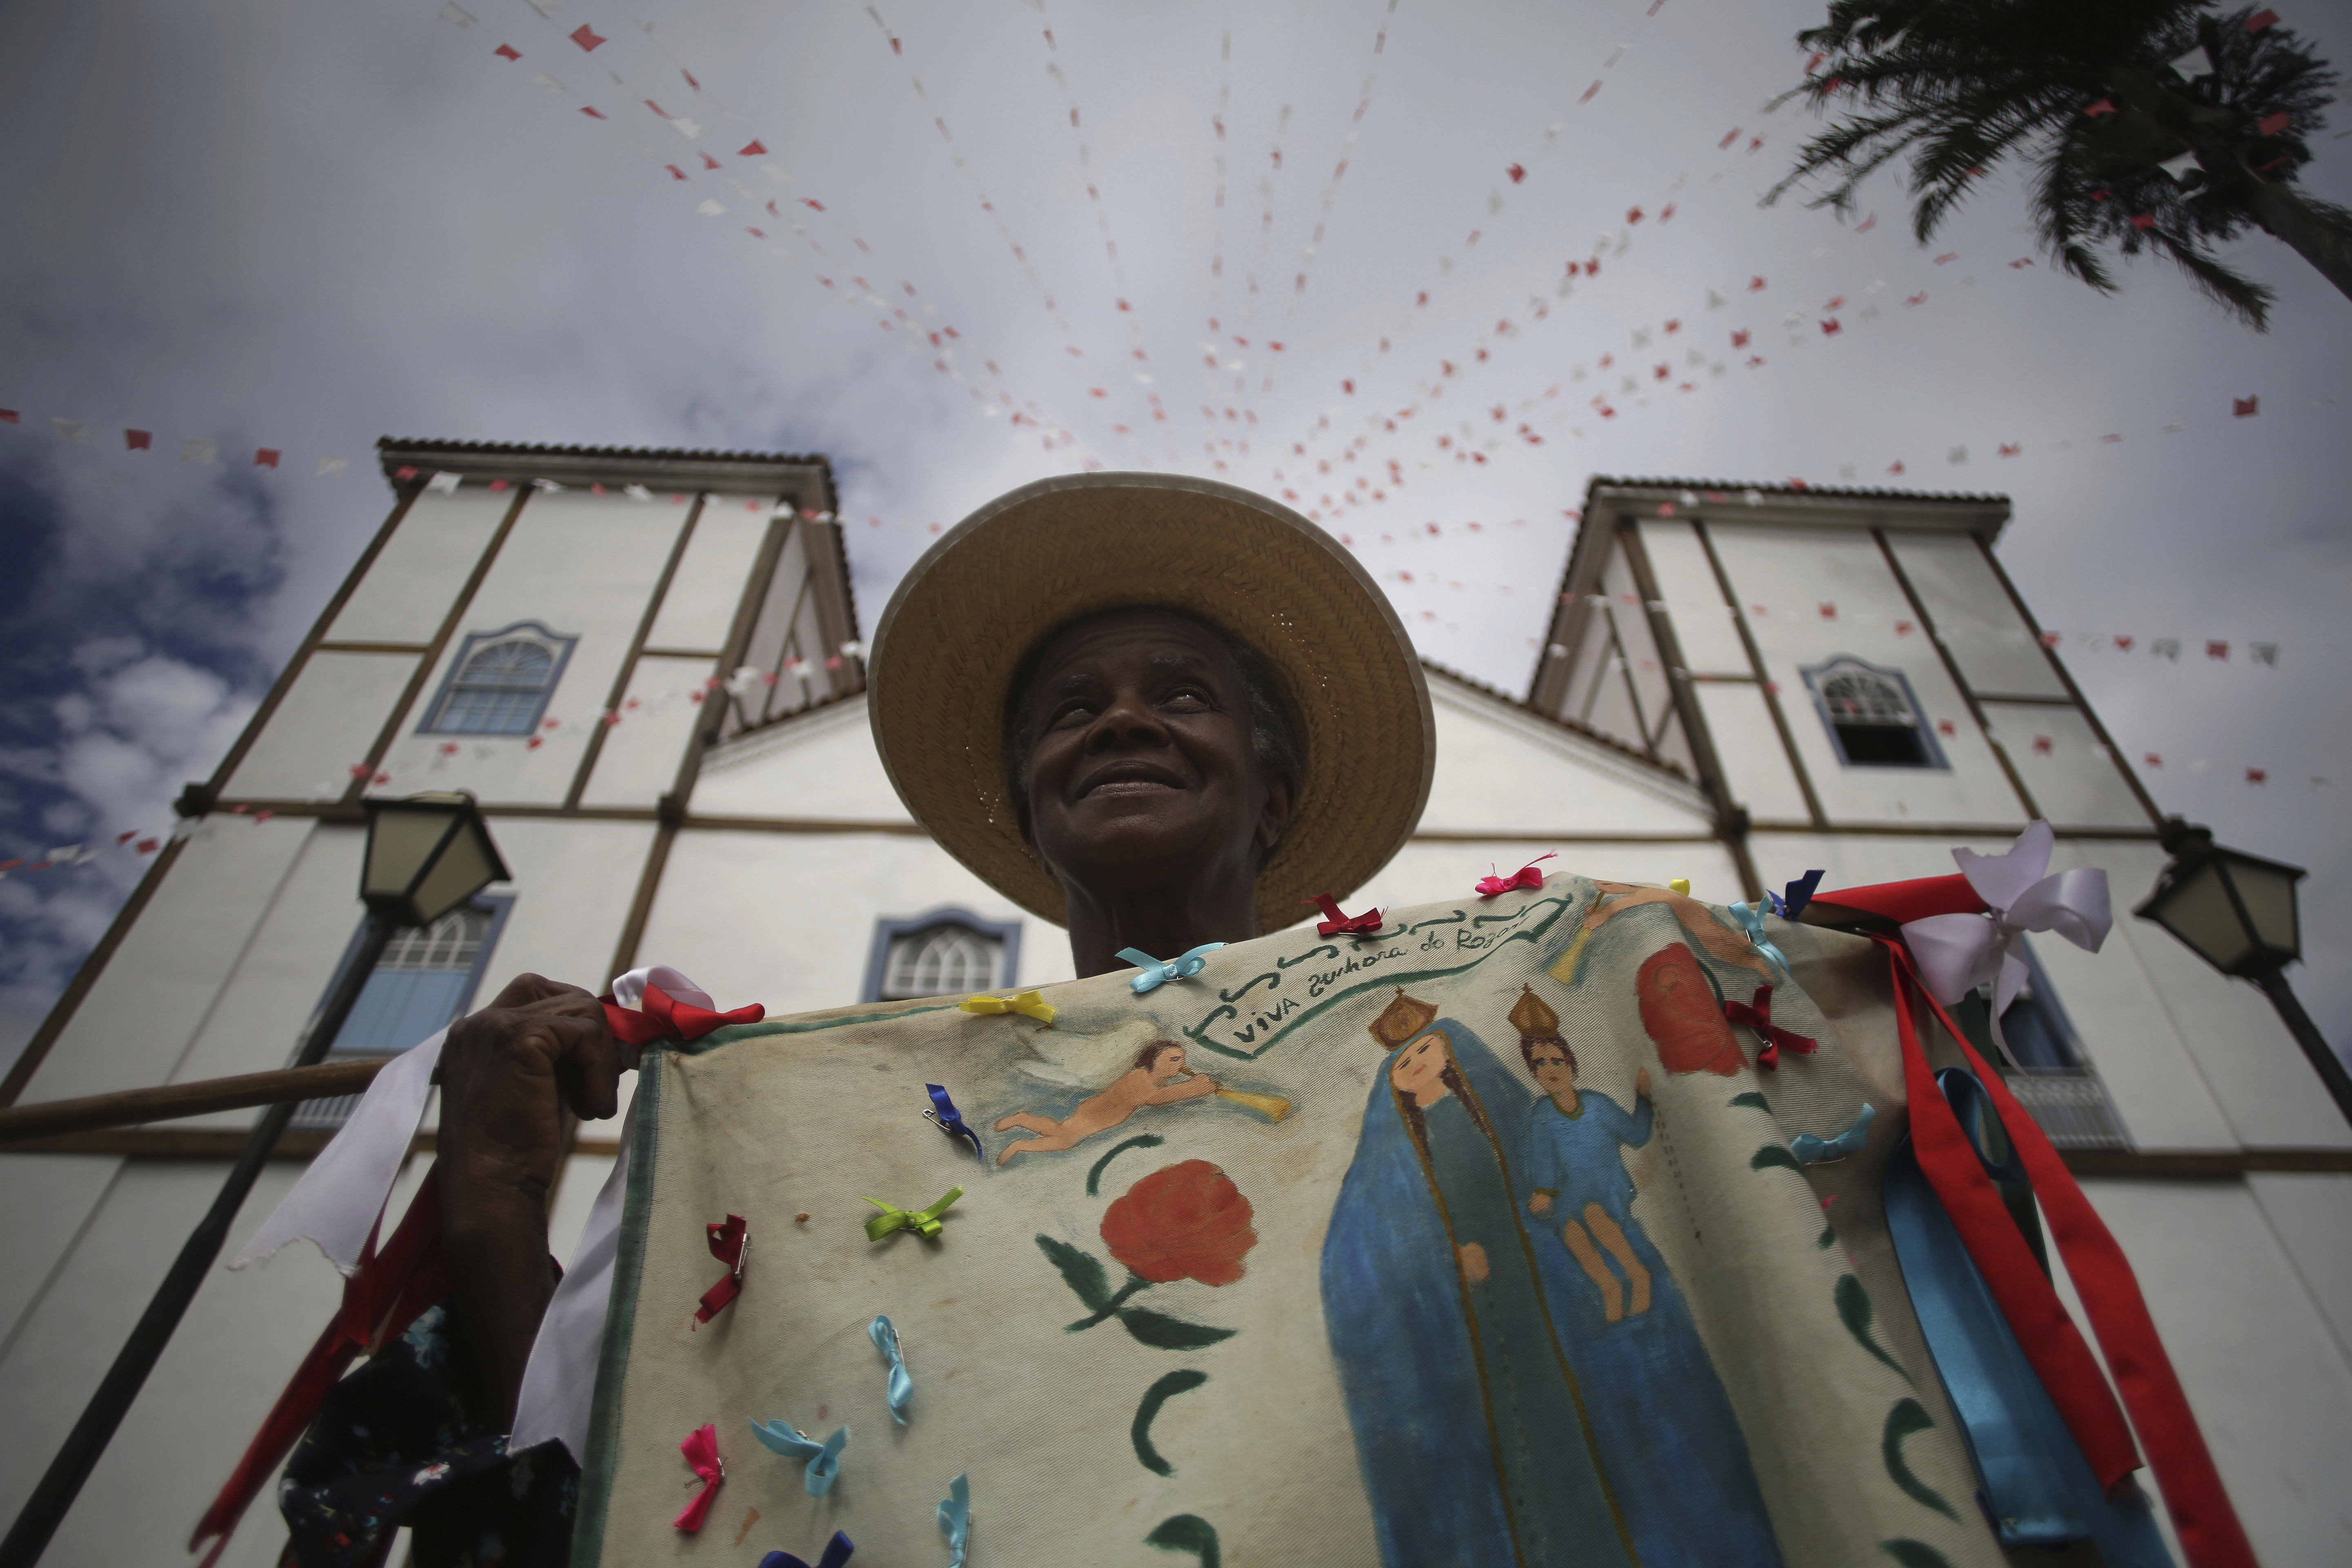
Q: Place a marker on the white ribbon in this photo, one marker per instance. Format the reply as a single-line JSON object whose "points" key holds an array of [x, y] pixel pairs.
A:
{"points": [[339, 1199], [1957, 954]]}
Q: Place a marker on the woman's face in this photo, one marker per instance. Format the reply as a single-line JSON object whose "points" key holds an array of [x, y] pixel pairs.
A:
{"points": [[1549, 1064], [1142, 771], [1419, 1069]]}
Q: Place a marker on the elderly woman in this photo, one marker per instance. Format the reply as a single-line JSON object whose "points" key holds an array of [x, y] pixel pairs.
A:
{"points": [[1159, 710]]}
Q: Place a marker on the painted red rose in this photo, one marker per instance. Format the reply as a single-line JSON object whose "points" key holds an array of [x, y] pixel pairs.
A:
{"points": [[1183, 1222], [1680, 1011]]}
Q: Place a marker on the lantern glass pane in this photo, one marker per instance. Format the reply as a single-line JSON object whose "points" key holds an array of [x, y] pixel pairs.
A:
{"points": [[399, 841], [2198, 911], [464, 869], [2268, 892]]}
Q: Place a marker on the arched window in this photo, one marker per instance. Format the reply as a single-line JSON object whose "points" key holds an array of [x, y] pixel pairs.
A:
{"points": [[425, 979], [947, 952], [499, 682], [1871, 715]]}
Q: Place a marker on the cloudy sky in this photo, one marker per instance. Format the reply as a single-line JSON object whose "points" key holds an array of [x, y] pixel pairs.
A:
{"points": [[302, 226]]}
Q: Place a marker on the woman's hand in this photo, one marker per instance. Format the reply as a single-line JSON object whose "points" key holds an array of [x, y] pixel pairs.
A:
{"points": [[1641, 1084], [508, 1074]]}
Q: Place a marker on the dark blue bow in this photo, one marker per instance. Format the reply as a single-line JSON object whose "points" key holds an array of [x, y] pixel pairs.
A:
{"points": [[951, 1121], [1800, 894], [837, 1552]]}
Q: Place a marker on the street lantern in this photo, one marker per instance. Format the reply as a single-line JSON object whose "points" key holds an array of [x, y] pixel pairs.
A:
{"points": [[426, 853], [2237, 912]]}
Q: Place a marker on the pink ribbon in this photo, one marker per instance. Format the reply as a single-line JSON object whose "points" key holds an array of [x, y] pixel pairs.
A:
{"points": [[1757, 1015], [1343, 924], [731, 1243], [701, 1451], [1526, 876]]}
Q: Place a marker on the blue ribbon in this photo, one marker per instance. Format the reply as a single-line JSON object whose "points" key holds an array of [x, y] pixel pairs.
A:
{"points": [[1155, 974], [1800, 894], [902, 1383], [1813, 1150], [837, 1552], [951, 1121], [824, 1458], [2039, 1491], [1752, 921], [955, 1520]]}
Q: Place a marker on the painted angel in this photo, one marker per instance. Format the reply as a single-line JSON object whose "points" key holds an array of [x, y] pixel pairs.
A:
{"points": [[1126, 1075]]}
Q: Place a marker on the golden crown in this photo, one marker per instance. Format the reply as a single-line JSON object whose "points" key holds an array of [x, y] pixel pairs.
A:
{"points": [[1531, 1018], [1404, 1018]]}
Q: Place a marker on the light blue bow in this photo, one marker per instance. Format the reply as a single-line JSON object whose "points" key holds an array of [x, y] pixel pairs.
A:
{"points": [[824, 1458], [1752, 921], [955, 1520], [1155, 974], [902, 1383], [1810, 1150]]}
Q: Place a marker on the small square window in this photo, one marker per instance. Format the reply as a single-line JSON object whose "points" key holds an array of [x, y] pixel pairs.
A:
{"points": [[1872, 718]]}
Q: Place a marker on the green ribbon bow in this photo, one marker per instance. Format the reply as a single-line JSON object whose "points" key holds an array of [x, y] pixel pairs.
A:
{"points": [[923, 1222]]}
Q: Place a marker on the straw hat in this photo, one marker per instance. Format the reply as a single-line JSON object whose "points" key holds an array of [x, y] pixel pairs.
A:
{"points": [[1050, 551]]}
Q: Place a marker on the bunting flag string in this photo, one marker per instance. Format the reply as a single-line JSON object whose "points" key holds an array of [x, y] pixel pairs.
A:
{"points": [[1053, 436], [1122, 297], [1496, 201], [791, 213]]}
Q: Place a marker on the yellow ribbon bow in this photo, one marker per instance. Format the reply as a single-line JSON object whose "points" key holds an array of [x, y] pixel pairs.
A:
{"points": [[1028, 1004], [923, 1222]]}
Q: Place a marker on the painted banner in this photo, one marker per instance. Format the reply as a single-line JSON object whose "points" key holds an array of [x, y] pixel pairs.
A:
{"points": [[1481, 1239]]}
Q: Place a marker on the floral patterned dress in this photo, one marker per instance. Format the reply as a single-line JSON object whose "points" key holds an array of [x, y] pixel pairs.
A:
{"points": [[395, 1444]]}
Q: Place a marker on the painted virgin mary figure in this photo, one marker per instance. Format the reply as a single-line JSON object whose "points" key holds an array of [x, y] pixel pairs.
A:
{"points": [[1673, 1453], [1473, 1441]]}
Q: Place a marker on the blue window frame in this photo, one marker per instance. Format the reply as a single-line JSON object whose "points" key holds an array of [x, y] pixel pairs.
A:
{"points": [[499, 682], [945, 952], [2039, 1035], [1872, 718], [424, 980]]}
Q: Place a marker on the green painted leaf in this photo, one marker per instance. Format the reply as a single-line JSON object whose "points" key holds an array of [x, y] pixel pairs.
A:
{"points": [[1752, 1100], [1162, 1332], [1907, 1417], [1083, 1274], [1158, 1395], [1769, 1156], [1829, 1235], [1854, 1310], [1914, 1554], [1094, 1177], [1188, 1532]]}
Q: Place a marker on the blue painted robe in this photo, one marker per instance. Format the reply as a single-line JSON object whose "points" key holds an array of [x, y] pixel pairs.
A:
{"points": [[1671, 1445], [1473, 1446]]}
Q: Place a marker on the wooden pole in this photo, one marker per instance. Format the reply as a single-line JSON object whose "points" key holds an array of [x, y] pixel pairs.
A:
{"points": [[133, 1107]]}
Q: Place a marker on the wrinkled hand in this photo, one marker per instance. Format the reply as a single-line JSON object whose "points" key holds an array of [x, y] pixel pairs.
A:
{"points": [[507, 1075]]}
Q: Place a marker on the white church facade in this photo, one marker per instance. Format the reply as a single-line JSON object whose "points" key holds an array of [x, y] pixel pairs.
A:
{"points": [[647, 667]]}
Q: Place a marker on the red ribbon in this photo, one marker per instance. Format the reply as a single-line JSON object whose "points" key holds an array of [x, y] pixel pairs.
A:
{"points": [[1526, 876], [701, 1451], [1757, 1015], [665, 1017], [1340, 924], [392, 1289], [2210, 1536], [387, 1292], [731, 1243]]}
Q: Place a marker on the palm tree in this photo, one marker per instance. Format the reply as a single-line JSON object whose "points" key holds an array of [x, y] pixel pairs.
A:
{"points": [[2113, 102]]}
